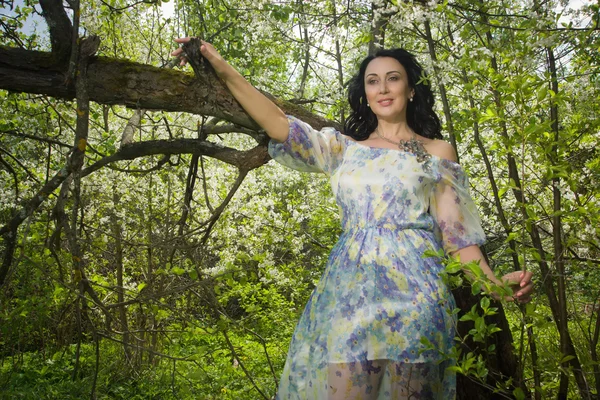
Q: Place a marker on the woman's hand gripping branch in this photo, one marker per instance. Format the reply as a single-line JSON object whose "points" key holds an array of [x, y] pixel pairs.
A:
{"points": [[262, 110]]}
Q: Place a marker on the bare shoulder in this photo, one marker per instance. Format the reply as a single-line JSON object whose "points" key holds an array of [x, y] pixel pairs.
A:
{"points": [[348, 138], [441, 149]]}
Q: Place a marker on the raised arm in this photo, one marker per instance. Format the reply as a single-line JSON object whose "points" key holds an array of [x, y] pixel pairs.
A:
{"points": [[262, 110]]}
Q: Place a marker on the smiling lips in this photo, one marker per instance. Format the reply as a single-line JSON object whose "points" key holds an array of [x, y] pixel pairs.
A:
{"points": [[385, 102]]}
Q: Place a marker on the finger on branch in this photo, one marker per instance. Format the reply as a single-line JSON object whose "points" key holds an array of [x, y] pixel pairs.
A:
{"points": [[199, 63]]}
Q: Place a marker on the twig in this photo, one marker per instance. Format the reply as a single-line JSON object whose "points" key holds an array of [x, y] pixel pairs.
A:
{"points": [[215, 217], [204, 187], [41, 139], [241, 364], [14, 174], [20, 164]]}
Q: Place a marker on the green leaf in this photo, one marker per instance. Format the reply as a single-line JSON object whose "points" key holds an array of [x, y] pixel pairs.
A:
{"points": [[453, 268], [466, 317], [485, 303], [502, 191], [567, 359], [542, 93], [494, 330], [480, 324], [456, 369], [426, 342], [530, 308], [433, 253], [518, 393]]}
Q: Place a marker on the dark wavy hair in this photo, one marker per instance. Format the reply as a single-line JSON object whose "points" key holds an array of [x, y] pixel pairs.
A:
{"points": [[420, 115]]}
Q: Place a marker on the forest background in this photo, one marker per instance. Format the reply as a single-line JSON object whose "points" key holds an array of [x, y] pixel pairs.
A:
{"points": [[150, 251]]}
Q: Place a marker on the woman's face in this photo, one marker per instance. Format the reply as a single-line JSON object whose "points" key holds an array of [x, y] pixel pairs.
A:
{"points": [[387, 88]]}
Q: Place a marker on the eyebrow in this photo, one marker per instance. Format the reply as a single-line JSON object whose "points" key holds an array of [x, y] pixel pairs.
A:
{"points": [[387, 73]]}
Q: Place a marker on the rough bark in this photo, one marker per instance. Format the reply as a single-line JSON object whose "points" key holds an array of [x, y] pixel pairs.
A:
{"points": [[139, 86], [60, 29], [132, 125]]}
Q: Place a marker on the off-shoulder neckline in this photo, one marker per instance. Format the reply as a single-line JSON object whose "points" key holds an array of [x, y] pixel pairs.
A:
{"points": [[451, 163]]}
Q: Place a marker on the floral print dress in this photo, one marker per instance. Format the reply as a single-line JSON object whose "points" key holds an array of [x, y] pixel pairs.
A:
{"points": [[360, 336]]}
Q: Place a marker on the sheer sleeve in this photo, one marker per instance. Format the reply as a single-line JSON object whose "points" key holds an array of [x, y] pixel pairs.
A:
{"points": [[453, 208], [309, 150]]}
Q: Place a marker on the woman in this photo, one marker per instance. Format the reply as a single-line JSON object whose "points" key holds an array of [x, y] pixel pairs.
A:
{"points": [[401, 193]]}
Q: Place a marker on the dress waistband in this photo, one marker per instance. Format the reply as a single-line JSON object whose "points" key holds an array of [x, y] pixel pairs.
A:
{"points": [[389, 226]]}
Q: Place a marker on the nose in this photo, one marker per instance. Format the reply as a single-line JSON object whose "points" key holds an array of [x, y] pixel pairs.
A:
{"points": [[383, 86]]}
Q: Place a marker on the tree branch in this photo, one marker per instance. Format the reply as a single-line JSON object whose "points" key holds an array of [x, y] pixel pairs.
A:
{"points": [[31, 175], [249, 159], [139, 86], [33, 137], [14, 175], [60, 29]]}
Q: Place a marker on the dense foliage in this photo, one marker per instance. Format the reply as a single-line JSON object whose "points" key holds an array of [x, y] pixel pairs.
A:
{"points": [[196, 271]]}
